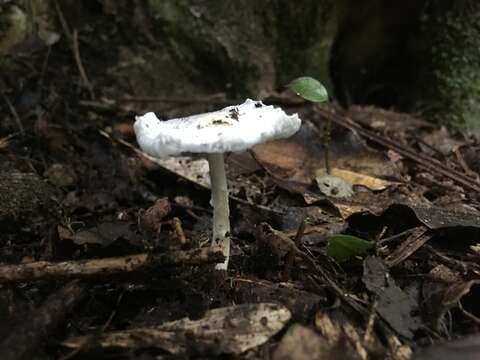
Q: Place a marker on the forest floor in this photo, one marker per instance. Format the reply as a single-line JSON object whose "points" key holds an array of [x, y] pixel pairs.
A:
{"points": [[104, 252]]}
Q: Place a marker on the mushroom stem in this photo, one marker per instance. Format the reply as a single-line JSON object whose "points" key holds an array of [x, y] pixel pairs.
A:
{"points": [[221, 211]]}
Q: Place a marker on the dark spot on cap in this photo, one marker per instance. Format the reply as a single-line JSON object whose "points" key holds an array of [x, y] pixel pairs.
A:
{"points": [[234, 113], [258, 104], [264, 321]]}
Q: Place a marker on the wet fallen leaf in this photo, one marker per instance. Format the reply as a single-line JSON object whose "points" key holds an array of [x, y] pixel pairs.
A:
{"points": [[393, 304], [439, 217]]}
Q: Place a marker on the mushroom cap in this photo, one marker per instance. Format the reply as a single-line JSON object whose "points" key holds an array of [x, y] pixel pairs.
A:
{"points": [[234, 128]]}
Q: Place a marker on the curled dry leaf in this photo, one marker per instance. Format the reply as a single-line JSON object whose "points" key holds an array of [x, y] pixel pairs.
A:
{"points": [[303, 343], [442, 290], [232, 330], [154, 215], [356, 178]]}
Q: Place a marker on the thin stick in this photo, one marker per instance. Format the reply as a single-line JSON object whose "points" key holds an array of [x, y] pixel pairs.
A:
{"points": [[290, 261], [177, 225], [326, 145], [107, 266], [63, 22], [15, 114], [75, 48], [81, 69], [463, 164]]}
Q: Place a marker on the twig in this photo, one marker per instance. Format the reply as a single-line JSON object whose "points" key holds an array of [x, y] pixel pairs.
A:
{"points": [[290, 261], [81, 69], [369, 335], [177, 225], [6, 140], [431, 164], [41, 323], [415, 241], [63, 22], [15, 114], [326, 278], [463, 266], [468, 314], [407, 232], [326, 145], [463, 164], [73, 40], [107, 266]]}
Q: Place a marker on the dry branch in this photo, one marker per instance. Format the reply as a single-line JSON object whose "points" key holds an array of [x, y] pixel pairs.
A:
{"points": [[107, 266]]}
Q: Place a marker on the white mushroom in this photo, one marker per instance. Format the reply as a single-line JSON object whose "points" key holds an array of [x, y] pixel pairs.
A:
{"points": [[234, 128]]}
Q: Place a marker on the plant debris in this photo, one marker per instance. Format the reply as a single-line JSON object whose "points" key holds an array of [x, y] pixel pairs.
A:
{"points": [[105, 252]]}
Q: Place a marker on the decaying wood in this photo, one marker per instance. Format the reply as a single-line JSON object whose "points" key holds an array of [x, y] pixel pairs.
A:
{"points": [[414, 242], [25, 339], [107, 266], [232, 330]]}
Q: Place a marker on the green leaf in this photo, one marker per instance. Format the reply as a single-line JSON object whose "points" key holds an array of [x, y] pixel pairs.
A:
{"points": [[309, 88], [344, 247]]}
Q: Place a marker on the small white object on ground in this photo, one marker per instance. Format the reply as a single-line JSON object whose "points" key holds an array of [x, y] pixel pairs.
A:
{"points": [[234, 128], [334, 186]]}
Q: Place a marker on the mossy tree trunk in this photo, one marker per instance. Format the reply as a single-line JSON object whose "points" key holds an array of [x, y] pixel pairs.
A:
{"points": [[251, 49], [450, 80]]}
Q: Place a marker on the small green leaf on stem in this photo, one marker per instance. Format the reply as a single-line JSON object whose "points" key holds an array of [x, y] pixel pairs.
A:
{"points": [[309, 88], [343, 247]]}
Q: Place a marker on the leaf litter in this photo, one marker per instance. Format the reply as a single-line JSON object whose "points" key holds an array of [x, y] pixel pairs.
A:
{"points": [[75, 188]]}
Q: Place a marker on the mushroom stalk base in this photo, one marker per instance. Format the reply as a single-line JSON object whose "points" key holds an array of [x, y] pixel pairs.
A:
{"points": [[221, 211]]}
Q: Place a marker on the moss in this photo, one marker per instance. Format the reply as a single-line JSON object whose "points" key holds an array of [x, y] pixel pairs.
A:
{"points": [[252, 49], [213, 43], [14, 26], [305, 36], [27, 18], [455, 68]]}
